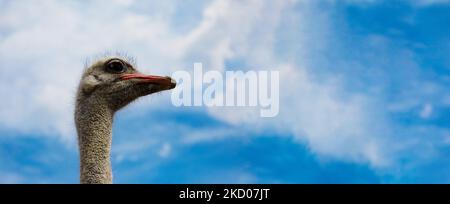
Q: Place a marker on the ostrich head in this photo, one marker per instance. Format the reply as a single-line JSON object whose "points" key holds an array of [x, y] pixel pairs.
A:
{"points": [[117, 82], [107, 86]]}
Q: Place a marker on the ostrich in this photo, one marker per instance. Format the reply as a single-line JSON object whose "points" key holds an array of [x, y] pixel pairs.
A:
{"points": [[107, 86]]}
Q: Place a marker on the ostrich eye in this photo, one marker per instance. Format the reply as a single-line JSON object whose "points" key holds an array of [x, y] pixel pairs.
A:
{"points": [[115, 67]]}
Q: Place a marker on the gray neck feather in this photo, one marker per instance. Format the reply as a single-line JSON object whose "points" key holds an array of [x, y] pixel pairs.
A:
{"points": [[94, 121]]}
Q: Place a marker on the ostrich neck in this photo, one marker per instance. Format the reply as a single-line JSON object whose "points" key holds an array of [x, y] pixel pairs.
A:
{"points": [[94, 126]]}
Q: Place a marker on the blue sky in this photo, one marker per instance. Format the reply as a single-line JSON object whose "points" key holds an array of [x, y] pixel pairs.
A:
{"points": [[364, 90]]}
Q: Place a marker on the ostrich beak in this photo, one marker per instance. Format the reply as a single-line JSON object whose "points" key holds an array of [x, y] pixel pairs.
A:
{"points": [[166, 82]]}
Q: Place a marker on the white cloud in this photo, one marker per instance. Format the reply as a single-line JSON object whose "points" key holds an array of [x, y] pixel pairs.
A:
{"points": [[426, 111], [313, 112], [165, 150]]}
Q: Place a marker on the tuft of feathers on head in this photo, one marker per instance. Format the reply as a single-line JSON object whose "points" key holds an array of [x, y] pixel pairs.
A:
{"points": [[107, 55]]}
